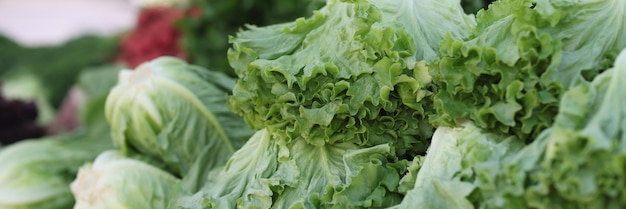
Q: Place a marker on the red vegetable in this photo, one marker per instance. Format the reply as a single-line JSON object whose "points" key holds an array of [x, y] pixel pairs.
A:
{"points": [[155, 35]]}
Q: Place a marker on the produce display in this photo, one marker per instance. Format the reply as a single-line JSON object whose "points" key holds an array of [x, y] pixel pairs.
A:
{"points": [[343, 104]]}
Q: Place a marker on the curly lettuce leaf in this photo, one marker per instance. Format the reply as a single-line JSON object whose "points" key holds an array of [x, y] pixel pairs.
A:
{"points": [[351, 69], [272, 173], [589, 31], [426, 22], [436, 184], [483, 156], [176, 113], [492, 81], [407, 182], [577, 163], [521, 58]]}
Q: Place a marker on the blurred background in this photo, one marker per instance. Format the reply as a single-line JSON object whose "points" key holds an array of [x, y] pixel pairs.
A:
{"points": [[42, 22], [45, 46]]}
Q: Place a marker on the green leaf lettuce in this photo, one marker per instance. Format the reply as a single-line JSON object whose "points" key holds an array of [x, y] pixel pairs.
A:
{"points": [[576, 163], [176, 113], [350, 73], [510, 73], [271, 173]]}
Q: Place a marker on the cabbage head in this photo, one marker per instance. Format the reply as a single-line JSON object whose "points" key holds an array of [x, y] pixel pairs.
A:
{"points": [[175, 113], [116, 181]]}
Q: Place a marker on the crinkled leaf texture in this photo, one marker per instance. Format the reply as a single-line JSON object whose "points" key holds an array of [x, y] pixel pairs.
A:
{"points": [[509, 75], [408, 180], [349, 73], [272, 173], [36, 173], [176, 113], [426, 22], [589, 30], [580, 162], [116, 181], [436, 185]]}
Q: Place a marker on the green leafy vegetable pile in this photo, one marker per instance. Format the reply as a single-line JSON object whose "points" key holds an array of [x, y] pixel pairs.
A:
{"points": [[367, 88], [368, 104], [578, 162], [509, 75]]}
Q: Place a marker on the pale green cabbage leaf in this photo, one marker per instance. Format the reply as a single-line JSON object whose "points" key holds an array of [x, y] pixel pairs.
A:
{"points": [[116, 181], [36, 173], [176, 113]]}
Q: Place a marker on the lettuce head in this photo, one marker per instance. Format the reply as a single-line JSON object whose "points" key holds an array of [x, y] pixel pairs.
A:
{"points": [[176, 113], [353, 72], [576, 163], [116, 181], [510, 73]]}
